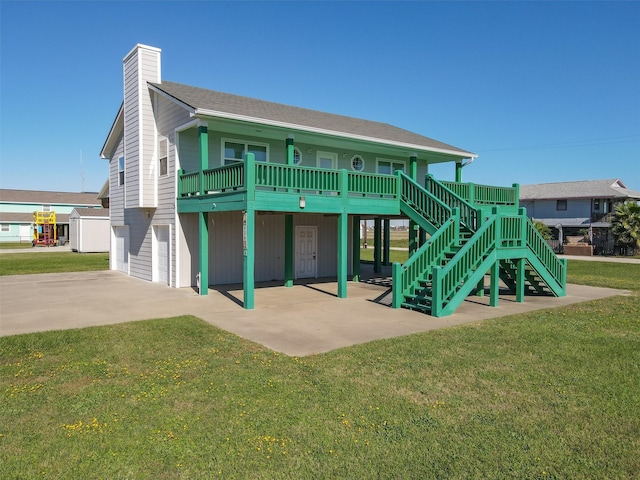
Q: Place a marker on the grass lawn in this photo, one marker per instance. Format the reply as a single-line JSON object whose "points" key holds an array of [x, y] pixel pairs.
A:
{"points": [[15, 245], [548, 394], [51, 262]]}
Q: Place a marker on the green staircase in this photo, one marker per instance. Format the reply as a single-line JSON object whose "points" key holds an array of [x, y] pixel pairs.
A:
{"points": [[466, 242]]}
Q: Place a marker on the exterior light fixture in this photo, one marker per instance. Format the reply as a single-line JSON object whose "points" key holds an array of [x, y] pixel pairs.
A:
{"points": [[303, 202]]}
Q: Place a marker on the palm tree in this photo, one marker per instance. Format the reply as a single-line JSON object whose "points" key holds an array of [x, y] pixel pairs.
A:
{"points": [[626, 224]]}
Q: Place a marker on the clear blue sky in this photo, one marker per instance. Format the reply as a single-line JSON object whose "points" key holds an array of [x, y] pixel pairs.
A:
{"points": [[542, 91]]}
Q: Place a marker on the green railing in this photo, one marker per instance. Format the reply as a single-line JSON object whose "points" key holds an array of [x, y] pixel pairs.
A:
{"points": [[432, 208], [188, 183], [510, 232], [275, 176], [447, 280], [468, 213], [405, 276], [546, 255], [485, 194], [229, 177]]}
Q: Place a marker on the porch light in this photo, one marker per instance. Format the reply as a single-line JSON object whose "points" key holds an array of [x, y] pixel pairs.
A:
{"points": [[303, 202]]}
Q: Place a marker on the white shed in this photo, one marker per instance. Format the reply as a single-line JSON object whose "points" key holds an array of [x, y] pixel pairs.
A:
{"points": [[89, 230]]}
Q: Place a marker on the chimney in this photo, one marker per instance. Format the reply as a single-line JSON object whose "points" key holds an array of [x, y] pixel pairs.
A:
{"points": [[141, 65]]}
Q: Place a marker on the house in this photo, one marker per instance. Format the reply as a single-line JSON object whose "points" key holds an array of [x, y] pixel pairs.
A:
{"points": [[576, 208], [209, 188], [89, 230], [18, 206]]}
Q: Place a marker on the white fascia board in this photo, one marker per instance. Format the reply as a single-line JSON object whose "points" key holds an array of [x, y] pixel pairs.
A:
{"points": [[322, 131], [110, 137], [189, 108]]}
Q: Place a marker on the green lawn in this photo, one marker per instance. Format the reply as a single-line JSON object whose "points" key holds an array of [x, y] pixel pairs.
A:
{"points": [[548, 394], [51, 262]]}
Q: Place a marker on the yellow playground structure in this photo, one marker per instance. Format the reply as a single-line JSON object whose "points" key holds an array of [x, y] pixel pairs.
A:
{"points": [[44, 229]]}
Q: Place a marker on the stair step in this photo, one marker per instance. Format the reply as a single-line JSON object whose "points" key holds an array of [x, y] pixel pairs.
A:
{"points": [[422, 308]]}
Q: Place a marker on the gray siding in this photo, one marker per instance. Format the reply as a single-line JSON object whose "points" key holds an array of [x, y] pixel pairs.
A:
{"points": [[131, 131], [576, 208], [116, 192], [140, 235]]}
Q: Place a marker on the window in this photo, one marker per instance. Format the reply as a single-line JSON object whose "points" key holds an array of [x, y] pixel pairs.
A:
{"points": [[5, 227], [46, 208], [121, 171], [163, 154], [233, 151], [297, 156], [388, 167], [357, 163], [596, 205], [561, 204]]}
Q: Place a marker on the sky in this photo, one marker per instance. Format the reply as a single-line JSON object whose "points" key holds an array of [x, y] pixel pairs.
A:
{"points": [[542, 91]]}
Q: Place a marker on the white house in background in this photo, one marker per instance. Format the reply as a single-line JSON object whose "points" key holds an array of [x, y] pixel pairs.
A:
{"points": [[89, 230], [572, 207]]}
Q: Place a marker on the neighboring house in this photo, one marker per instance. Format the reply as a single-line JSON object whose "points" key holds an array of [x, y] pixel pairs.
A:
{"points": [[89, 230], [573, 208], [209, 188], [17, 207]]}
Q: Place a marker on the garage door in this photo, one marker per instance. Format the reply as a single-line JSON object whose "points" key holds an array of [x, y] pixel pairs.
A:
{"points": [[121, 249], [161, 254]]}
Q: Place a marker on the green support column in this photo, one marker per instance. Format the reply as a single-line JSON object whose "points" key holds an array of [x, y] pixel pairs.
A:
{"points": [[248, 240], [480, 288], [459, 171], [343, 229], [387, 242], [377, 245], [288, 227], [355, 254], [203, 140], [288, 250], [494, 288], [413, 168], [203, 247], [520, 262]]}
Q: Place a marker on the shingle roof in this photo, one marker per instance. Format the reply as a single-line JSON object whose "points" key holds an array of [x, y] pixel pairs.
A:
{"points": [[52, 198], [26, 217], [205, 101], [92, 212], [608, 188]]}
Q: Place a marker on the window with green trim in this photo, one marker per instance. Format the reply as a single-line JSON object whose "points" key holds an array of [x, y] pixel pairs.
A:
{"points": [[233, 151], [389, 167]]}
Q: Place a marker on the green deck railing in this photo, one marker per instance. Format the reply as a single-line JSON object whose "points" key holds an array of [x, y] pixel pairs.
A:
{"points": [[485, 194], [425, 203], [280, 177]]}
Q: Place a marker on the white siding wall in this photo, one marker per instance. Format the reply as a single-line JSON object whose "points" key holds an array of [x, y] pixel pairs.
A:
{"points": [[116, 192]]}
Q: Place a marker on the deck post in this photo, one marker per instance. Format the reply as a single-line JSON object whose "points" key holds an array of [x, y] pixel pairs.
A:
{"points": [[413, 168], [343, 229], [494, 288], [248, 240], [288, 250], [203, 247], [377, 245], [355, 254], [387, 242], [459, 171], [413, 237], [290, 151], [203, 141], [396, 295], [520, 263]]}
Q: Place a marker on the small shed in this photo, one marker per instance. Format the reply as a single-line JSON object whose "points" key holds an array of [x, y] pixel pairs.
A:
{"points": [[89, 230]]}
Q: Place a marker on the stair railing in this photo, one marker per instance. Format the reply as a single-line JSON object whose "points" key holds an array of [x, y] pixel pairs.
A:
{"points": [[405, 276], [468, 213], [429, 206]]}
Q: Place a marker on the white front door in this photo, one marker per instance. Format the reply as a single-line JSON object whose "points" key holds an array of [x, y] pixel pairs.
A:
{"points": [[121, 249], [161, 255], [306, 248]]}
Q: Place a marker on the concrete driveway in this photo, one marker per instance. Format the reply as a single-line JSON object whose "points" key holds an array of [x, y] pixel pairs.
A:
{"points": [[297, 321]]}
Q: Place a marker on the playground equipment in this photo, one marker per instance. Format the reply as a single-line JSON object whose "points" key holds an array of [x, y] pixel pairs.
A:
{"points": [[44, 230]]}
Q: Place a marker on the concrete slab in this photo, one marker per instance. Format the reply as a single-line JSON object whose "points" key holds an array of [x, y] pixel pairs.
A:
{"points": [[297, 321]]}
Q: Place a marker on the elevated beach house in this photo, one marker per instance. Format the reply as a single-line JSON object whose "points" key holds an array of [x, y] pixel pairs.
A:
{"points": [[208, 188]]}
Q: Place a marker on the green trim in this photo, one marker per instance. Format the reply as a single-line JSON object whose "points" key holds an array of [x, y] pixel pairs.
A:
{"points": [[203, 247], [343, 229], [288, 250], [355, 249]]}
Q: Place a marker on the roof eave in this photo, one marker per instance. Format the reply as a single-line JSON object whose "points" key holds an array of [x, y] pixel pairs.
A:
{"points": [[117, 129], [201, 112]]}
